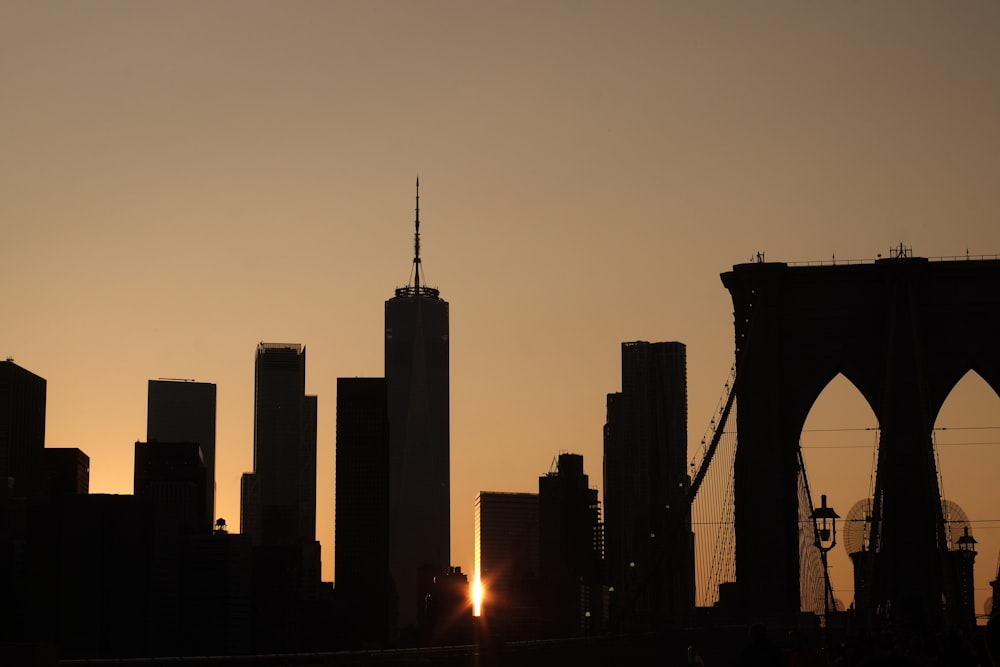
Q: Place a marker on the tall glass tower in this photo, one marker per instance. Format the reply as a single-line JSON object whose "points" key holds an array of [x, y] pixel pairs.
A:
{"points": [[416, 376], [648, 541], [362, 510], [284, 448]]}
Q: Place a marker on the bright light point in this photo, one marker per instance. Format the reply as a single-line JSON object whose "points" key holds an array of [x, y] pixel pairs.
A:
{"points": [[477, 597]]}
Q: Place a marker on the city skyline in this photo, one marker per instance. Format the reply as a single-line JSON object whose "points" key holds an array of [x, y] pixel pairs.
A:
{"points": [[589, 171]]}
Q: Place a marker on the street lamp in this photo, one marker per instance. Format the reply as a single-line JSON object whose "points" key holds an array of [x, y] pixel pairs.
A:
{"points": [[825, 527], [967, 543]]}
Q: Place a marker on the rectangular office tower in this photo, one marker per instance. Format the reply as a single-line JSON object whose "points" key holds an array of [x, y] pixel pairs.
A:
{"points": [[416, 376], [22, 430], [67, 472], [362, 509], [284, 445], [649, 545], [507, 563], [571, 545], [174, 478], [184, 411]]}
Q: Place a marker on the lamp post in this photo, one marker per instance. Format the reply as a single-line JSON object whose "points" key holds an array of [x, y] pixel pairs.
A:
{"points": [[967, 543], [825, 527]]}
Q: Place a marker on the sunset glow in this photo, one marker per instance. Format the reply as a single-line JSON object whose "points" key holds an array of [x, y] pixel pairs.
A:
{"points": [[182, 181]]}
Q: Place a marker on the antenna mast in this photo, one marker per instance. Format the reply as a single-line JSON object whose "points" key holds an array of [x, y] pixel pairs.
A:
{"points": [[416, 243], [417, 289]]}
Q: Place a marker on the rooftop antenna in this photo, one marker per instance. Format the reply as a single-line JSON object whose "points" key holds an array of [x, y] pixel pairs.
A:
{"points": [[901, 252], [416, 243], [416, 288]]}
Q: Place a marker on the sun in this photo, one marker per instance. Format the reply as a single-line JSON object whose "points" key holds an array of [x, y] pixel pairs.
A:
{"points": [[477, 597]]}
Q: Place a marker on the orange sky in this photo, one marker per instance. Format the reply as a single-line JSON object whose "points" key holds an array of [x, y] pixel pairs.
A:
{"points": [[180, 180]]}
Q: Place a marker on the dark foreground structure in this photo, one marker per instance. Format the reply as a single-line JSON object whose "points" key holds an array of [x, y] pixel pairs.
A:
{"points": [[639, 650], [903, 330]]}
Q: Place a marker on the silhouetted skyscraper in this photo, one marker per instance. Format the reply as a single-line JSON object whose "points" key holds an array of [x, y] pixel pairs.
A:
{"points": [[22, 429], [284, 448], [22, 442], [67, 471], [649, 545], [362, 509], [416, 375], [507, 562], [286, 556], [184, 411], [570, 549], [173, 476]]}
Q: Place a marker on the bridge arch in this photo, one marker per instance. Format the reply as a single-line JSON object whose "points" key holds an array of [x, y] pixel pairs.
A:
{"points": [[839, 441], [903, 330], [967, 436]]}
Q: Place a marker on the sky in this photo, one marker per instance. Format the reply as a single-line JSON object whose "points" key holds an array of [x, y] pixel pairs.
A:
{"points": [[182, 180]]}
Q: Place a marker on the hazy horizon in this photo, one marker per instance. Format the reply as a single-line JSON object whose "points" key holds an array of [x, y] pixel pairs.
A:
{"points": [[184, 180]]}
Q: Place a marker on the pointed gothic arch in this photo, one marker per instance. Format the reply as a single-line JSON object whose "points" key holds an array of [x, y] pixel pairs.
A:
{"points": [[903, 330], [839, 440], [968, 442]]}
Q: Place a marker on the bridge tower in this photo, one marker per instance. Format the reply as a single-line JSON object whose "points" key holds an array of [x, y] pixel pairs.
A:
{"points": [[903, 330]]}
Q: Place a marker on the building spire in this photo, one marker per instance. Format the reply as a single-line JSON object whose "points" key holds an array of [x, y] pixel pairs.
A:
{"points": [[416, 243], [417, 287]]}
